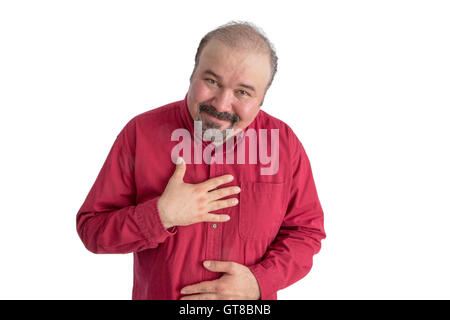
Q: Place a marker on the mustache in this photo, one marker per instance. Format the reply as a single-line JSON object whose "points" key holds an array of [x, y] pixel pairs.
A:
{"points": [[209, 109]]}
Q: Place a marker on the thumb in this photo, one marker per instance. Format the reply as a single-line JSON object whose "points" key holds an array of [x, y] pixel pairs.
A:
{"points": [[180, 169], [220, 266]]}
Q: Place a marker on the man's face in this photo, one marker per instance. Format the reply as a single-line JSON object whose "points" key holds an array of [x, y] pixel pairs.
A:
{"points": [[228, 86]]}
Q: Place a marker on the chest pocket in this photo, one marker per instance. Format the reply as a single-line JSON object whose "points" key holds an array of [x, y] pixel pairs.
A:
{"points": [[260, 209]]}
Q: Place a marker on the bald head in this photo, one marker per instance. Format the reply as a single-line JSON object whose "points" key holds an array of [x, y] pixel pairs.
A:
{"points": [[242, 36]]}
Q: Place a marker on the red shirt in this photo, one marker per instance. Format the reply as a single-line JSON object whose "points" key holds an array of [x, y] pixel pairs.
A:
{"points": [[275, 229]]}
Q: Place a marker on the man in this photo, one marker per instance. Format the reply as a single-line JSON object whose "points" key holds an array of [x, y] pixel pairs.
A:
{"points": [[214, 225]]}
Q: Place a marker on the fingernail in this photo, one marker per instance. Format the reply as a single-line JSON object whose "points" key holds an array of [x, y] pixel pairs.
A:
{"points": [[230, 178], [183, 291], [237, 189], [227, 218], [234, 201], [179, 159], [207, 264]]}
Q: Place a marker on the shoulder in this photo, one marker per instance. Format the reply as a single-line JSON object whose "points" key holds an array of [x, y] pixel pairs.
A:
{"points": [[157, 114], [266, 120], [153, 117], [149, 120]]}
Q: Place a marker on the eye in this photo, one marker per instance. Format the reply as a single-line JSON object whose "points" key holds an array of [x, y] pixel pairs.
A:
{"points": [[211, 81], [243, 93]]}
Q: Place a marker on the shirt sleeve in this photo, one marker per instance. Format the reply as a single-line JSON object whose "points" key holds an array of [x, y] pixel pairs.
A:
{"points": [[110, 221], [290, 256]]}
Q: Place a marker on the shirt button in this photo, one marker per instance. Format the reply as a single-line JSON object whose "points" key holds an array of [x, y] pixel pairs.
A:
{"points": [[214, 225]]}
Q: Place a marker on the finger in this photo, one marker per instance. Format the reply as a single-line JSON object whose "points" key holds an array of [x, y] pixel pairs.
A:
{"points": [[213, 217], [180, 169], [223, 192], [220, 266], [201, 296], [201, 287], [220, 204], [216, 181]]}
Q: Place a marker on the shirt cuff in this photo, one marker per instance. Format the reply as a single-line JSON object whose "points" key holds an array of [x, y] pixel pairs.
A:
{"points": [[150, 221], [266, 289]]}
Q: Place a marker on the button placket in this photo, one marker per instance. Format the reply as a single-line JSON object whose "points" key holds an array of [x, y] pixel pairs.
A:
{"points": [[212, 231], [219, 226], [213, 163]]}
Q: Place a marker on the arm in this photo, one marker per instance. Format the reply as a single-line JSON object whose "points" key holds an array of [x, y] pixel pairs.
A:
{"points": [[110, 221], [289, 258]]}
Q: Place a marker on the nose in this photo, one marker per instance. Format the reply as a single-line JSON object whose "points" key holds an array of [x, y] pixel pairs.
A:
{"points": [[223, 101]]}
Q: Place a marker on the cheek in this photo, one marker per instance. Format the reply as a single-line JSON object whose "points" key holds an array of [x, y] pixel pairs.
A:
{"points": [[247, 112], [201, 92]]}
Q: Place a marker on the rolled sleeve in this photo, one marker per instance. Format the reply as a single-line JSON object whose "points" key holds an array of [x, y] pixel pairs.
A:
{"points": [[150, 221]]}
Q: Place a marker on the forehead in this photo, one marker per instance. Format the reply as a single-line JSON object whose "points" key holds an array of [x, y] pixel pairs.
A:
{"points": [[235, 64]]}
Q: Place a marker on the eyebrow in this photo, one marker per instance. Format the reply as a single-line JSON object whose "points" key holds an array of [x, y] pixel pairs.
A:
{"points": [[212, 73], [247, 86]]}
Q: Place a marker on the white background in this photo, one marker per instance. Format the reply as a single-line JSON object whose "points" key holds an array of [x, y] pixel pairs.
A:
{"points": [[364, 84]]}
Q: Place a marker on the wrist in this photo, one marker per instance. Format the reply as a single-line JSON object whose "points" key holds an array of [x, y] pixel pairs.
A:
{"points": [[255, 284], [162, 214]]}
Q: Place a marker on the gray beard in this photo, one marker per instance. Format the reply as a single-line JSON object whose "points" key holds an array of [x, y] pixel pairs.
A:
{"points": [[206, 124]]}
